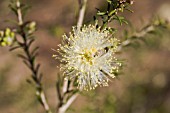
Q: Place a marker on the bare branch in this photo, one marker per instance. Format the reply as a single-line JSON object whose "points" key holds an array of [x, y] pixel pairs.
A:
{"points": [[81, 12], [65, 86], [44, 101], [19, 13], [63, 108]]}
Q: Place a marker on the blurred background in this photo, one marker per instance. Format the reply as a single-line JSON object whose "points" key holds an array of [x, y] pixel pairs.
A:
{"points": [[143, 87]]}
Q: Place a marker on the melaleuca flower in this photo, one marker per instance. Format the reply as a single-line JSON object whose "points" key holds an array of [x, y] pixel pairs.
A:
{"points": [[88, 56]]}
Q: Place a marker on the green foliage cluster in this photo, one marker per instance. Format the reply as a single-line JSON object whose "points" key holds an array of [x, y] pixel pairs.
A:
{"points": [[112, 10]]}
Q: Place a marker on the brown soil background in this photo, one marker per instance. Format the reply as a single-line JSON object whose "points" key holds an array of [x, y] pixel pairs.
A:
{"points": [[148, 67]]}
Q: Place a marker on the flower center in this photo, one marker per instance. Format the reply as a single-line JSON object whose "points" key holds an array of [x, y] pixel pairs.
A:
{"points": [[89, 55]]}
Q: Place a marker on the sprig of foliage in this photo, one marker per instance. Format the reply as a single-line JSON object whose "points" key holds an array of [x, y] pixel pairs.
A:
{"points": [[24, 40], [112, 10], [134, 38]]}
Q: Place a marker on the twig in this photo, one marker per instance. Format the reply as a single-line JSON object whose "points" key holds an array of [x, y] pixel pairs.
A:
{"points": [[137, 35], [64, 94], [65, 86], [41, 95], [67, 104], [82, 10], [19, 13]]}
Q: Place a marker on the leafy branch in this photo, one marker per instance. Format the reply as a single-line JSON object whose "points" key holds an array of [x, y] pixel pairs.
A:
{"points": [[151, 28], [25, 40], [113, 8]]}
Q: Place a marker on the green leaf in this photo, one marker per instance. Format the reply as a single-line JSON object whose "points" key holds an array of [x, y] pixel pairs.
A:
{"points": [[109, 1], [112, 12], [119, 19], [101, 13]]}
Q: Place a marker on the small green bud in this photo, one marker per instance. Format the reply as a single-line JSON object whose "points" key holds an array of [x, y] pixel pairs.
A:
{"points": [[6, 37], [3, 44], [30, 27], [7, 32], [1, 33], [12, 34]]}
